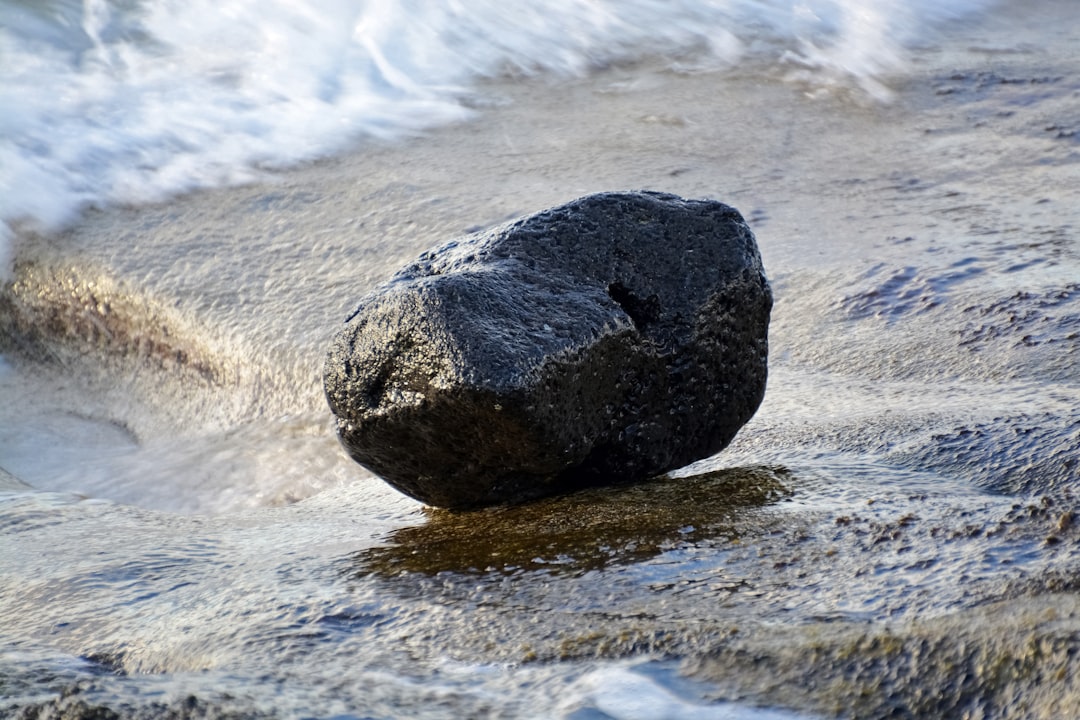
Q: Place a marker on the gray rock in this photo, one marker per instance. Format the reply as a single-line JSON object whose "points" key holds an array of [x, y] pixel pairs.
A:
{"points": [[606, 340]]}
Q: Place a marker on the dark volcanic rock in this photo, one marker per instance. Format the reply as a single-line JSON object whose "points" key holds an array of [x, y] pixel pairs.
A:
{"points": [[610, 339]]}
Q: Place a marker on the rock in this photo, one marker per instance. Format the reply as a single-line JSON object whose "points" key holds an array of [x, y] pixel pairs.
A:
{"points": [[610, 339]]}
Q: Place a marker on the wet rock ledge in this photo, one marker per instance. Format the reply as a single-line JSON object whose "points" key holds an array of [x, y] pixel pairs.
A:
{"points": [[606, 340]]}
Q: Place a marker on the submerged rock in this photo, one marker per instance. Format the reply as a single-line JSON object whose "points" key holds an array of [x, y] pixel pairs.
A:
{"points": [[606, 340]]}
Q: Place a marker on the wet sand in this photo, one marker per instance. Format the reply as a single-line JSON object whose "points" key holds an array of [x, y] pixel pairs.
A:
{"points": [[893, 532]]}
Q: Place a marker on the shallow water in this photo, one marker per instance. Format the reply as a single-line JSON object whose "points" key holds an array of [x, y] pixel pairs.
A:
{"points": [[133, 100], [181, 533]]}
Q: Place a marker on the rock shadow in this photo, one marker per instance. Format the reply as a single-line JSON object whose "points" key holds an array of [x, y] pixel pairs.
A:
{"points": [[584, 531]]}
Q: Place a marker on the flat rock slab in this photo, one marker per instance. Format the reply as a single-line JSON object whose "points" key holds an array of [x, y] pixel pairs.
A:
{"points": [[607, 340]]}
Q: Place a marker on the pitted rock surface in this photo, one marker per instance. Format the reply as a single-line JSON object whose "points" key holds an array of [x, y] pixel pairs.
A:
{"points": [[607, 340]]}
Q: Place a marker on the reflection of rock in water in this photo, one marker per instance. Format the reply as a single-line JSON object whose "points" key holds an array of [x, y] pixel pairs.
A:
{"points": [[588, 530]]}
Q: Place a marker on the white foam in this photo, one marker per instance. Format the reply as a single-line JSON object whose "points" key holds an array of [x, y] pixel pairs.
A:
{"points": [[862, 42], [103, 101], [623, 693]]}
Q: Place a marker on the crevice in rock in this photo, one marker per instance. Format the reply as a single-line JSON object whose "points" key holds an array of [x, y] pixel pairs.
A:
{"points": [[642, 312]]}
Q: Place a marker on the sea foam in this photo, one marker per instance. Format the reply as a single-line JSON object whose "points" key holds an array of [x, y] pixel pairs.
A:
{"points": [[103, 101]]}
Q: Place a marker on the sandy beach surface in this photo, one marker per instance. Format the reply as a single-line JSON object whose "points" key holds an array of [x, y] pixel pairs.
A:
{"points": [[894, 533]]}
